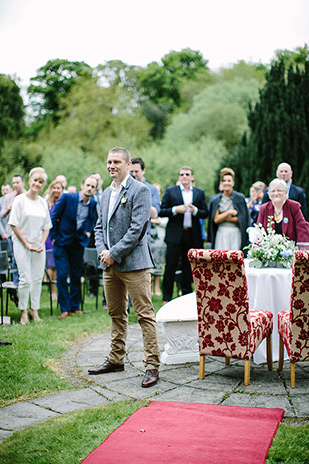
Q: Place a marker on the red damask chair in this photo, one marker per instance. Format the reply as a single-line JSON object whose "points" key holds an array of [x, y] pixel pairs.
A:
{"points": [[226, 325], [293, 325]]}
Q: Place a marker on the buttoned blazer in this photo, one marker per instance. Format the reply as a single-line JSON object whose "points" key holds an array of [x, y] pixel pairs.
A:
{"points": [[174, 229], [294, 225], [64, 231], [127, 227], [296, 194], [240, 205]]}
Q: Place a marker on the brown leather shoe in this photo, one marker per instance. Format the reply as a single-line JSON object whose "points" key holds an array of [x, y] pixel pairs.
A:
{"points": [[151, 377], [105, 368], [64, 315]]}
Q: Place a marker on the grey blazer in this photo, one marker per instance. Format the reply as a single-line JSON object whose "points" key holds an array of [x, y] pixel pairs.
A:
{"points": [[127, 227]]}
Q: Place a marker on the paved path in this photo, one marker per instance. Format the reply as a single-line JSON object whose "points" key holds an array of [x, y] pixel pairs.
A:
{"points": [[222, 385]]}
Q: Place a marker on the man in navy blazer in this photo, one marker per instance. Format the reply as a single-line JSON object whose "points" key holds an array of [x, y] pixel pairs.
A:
{"points": [[73, 221], [284, 172], [184, 205]]}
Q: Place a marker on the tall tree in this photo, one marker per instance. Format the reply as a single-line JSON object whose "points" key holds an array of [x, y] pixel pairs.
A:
{"points": [[11, 109], [279, 130], [162, 84], [11, 118], [53, 81]]}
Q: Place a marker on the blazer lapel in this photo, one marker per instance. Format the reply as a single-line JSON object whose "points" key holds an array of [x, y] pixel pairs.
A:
{"points": [[123, 193]]}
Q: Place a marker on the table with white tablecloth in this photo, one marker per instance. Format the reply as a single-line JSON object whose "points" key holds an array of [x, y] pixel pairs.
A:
{"points": [[268, 288]]}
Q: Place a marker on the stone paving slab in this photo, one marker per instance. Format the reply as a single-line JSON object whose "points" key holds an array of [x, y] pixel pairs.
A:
{"points": [[20, 415], [260, 401], [186, 394], [71, 401], [301, 405]]}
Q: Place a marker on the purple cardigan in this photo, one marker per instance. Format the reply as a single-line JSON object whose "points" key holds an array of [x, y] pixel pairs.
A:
{"points": [[294, 225]]}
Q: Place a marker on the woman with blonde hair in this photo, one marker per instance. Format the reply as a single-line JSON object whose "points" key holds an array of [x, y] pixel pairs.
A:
{"points": [[55, 189], [30, 222]]}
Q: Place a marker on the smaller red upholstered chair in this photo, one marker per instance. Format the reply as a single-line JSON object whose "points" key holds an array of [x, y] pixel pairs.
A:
{"points": [[226, 325], [293, 325]]}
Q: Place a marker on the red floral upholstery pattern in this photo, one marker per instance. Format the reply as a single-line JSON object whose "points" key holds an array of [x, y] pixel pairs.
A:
{"points": [[293, 325], [226, 325]]}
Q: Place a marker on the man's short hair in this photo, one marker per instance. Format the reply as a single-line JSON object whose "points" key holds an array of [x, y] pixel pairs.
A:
{"points": [[139, 161], [227, 172], [287, 164], [91, 177], [123, 152], [19, 175], [186, 168]]}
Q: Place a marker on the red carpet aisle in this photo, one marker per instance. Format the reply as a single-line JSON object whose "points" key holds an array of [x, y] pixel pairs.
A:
{"points": [[190, 433]]}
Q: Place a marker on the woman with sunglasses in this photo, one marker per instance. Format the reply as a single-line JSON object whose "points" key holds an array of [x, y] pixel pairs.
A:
{"points": [[229, 216], [287, 215]]}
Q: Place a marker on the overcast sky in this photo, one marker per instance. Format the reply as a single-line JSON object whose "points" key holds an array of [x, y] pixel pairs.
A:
{"points": [[140, 31]]}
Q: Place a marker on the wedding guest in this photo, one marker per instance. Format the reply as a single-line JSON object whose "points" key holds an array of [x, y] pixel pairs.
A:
{"points": [[288, 217], [56, 189], [284, 172], [255, 200], [229, 216], [30, 222]]}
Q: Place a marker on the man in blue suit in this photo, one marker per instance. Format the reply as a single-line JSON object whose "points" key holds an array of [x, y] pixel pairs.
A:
{"points": [[123, 250], [73, 220], [184, 205]]}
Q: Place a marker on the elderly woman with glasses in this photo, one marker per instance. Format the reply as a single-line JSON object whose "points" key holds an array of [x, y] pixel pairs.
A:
{"points": [[287, 215]]}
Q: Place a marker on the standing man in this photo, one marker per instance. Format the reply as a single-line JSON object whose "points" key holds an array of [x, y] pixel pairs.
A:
{"points": [[123, 250], [138, 172], [284, 172], [184, 205], [73, 221], [18, 183]]}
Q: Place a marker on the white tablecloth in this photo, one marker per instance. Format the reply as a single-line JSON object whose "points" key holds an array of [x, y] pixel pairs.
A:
{"points": [[269, 289]]}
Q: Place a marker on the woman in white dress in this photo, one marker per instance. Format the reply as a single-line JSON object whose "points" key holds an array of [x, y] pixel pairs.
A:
{"points": [[30, 222]]}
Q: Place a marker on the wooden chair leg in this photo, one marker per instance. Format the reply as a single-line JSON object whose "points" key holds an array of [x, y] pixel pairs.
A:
{"points": [[227, 361], [292, 369], [269, 352], [202, 366], [247, 372], [281, 352]]}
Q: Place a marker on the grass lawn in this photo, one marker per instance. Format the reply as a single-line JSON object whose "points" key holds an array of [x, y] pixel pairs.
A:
{"points": [[29, 369]]}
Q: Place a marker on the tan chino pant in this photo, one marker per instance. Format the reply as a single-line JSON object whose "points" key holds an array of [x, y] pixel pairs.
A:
{"points": [[117, 285]]}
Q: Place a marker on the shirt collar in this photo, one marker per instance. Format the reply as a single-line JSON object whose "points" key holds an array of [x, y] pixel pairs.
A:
{"points": [[81, 200], [123, 183], [182, 188]]}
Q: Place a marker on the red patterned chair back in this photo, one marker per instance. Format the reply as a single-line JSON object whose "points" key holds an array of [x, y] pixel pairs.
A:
{"points": [[299, 343], [224, 324]]}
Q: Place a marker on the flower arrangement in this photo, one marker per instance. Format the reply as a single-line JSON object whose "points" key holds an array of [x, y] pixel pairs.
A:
{"points": [[123, 199], [268, 249]]}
